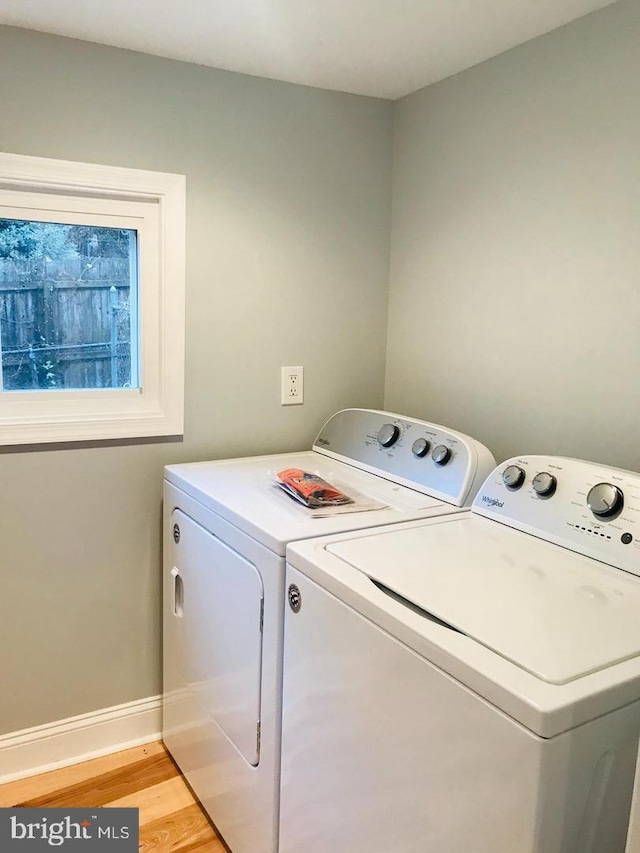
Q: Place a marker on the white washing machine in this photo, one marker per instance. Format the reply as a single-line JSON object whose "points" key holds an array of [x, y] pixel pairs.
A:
{"points": [[469, 683], [226, 529]]}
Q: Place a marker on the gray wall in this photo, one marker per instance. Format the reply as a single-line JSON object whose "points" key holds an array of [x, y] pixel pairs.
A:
{"points": [[514, 303], [515, 261], [287, 263]]}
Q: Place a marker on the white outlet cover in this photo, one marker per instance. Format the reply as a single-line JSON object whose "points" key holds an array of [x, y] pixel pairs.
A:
{"points": [[292, 386]]}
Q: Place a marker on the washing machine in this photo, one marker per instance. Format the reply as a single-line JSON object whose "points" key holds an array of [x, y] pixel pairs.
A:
{"points": [[469, 683], [226, 529]]}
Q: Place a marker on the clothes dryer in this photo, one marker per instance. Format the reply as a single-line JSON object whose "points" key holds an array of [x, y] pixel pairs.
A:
{"points": [[226, 529], [469, 682], [633, 836]]}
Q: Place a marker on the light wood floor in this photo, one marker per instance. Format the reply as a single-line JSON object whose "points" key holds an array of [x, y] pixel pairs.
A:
{"points": [[145, 778]]}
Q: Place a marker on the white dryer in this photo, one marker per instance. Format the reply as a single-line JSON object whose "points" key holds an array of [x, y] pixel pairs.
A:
{"points": [[469, 683], [226, 529]]}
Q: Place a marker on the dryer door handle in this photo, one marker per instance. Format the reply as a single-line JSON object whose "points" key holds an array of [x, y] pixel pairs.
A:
{"points": [[178, 593]]}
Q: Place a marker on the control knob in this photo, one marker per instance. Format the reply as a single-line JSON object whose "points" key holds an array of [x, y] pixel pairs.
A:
{"points": [[441, 454], [513, 476], [605, 500], [388, 435], [420, 447], [544, 484]]}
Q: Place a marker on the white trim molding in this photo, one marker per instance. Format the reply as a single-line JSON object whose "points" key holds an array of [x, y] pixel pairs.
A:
{"points": [[152, 204], [43, 748]]}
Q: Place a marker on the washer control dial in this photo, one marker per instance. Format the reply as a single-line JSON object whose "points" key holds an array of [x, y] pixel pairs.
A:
{"points": [[388, 435], [513, 476], [420, 447], [605, 500], [544, 484], [441, 454]]}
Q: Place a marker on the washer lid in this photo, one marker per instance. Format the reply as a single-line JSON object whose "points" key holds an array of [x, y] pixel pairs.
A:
{"points": [[550, 611]]}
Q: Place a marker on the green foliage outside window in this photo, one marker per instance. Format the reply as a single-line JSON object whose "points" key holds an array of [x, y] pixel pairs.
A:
{"points": [[24, 239]]}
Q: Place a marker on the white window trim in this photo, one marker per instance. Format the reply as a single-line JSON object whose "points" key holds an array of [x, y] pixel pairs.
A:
{"points": [[154, 204]]}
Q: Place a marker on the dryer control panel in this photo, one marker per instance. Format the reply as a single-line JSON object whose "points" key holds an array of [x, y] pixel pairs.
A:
{"points": [[423, 456], [589, 508]]}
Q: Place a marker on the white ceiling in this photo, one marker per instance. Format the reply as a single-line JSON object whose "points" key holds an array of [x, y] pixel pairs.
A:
{"points": [[385, 48]]}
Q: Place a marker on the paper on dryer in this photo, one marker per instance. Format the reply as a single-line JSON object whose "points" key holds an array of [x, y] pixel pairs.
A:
{"points": [[310, 489], [321, 499]]}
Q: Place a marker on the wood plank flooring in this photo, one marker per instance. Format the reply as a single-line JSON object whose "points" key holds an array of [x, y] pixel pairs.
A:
{"points": [[171, 821]]}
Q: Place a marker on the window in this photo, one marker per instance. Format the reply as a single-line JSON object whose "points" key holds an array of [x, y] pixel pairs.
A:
{"points": [[91, 301], [68, 309]]}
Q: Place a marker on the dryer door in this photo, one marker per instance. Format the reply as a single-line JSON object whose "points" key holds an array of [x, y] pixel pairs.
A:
{"points": [[218, 601]]}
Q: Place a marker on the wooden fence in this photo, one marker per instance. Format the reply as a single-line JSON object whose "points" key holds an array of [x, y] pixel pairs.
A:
{"points": [[65, 324]]}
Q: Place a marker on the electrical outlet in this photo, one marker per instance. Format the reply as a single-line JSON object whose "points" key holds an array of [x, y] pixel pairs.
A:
{"points": [[292, 386]]}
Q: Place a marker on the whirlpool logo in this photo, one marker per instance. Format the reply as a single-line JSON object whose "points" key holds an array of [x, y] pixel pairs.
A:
{"points": [[492, 501], [112, 829]]}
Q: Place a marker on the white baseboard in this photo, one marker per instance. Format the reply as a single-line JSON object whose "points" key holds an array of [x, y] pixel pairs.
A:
{"points": [[43, 748]]}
